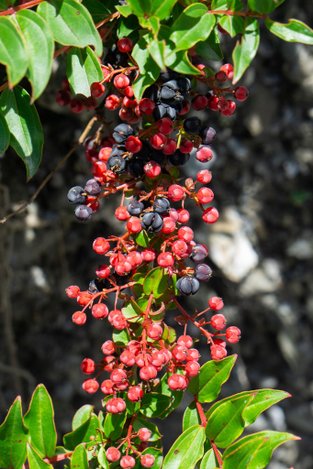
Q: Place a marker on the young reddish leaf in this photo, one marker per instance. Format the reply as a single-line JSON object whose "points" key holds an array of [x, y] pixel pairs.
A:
{"points": [[114, 425], [39, 420], [227, 418], [39, 45], [61, 15], [13, 438], [82, 415], [191, 416], [246, 48], [12, 51], [4, 135], [207, 385], [82, 434], [155, 405], [193, 25], [293, 31], [35, 461], [79, 458], [254, 451], [24, 126], [82, 69], [209, 460], [187, 450]]}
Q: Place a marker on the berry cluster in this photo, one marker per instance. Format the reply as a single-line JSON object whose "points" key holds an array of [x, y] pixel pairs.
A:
{"points": [[156, 259]]}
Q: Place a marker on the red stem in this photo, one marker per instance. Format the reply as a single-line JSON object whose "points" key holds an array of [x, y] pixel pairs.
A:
{"points": [[237, 13], [12, 10]]}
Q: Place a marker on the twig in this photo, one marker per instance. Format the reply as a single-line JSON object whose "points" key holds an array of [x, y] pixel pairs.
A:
{"points": [[12, 10], [43, 184]]}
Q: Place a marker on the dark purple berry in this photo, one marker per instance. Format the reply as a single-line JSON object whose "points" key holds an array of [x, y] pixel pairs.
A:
{"points": [[83, 213], [208, 135], [203, 272], [116, 164], [92, 187], [199, 252], [152, 221], [188, 285], [76, 195], [135, 207], [192, 125], [161, 205]]}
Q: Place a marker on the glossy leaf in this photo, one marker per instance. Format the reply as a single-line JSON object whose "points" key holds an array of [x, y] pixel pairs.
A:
{"points": [[142, 239], [82, 434], [191, 416], [149, 70], [162, 8], [176, 396], [210, 49], [264, 6], [102, 460], [82, 69], [193, 25], [127, 26], [35, 461], [187, 450], [13, 438], [209, 460], [4, 135], [114, 425], [293, 31], [232, 24], [131, 313], [207, 385], [81, 416], [40, 48], [254, 451], [79, 458], [155, 282], [62, 15], [227, 418], [155, 405], [120, 337], [12, 51], [246, 48], [157, 51], [24, 126], [179, 62], [98, 9], [39, 420], [141, 422], [141, 7]]}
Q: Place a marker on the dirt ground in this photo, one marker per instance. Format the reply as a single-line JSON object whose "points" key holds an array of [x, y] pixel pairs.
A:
{"points": [[261, 252]]}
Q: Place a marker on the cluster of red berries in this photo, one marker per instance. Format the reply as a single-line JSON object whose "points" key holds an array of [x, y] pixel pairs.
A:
{"points": [[140, 159]]}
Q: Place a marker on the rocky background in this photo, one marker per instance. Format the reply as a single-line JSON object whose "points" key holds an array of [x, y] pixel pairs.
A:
{"points": [[261, 251]]}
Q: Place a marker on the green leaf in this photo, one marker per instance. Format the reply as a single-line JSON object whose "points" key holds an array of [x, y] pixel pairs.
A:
{"points": [[293, 31], [82, 434], [99, 10], [141, 422], [155, 282], [141, 7], [124, 10], [120, 337], [102, 459], [254, 451], [210, 49], [193, 25], [12, 51], [176, 396], [142, 239], [209, 460], [40, 48], [127, 26], [149, 70], [39, 420], [246, 48], [13, 438], [114, 425], [187, 450], [157, 51], [25, 127], [207, 385], [155, 405], [35, 461], [82, 69], [227, 419], [4, 135], [132, 312], [264, 6], [162, 8], [232, 24], [191, 416], [81, 416], [179, 62], [64, 16], [79, 458]]}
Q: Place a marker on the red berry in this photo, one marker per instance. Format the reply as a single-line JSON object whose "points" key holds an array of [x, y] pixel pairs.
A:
{"points": [[133, 144], [175, 193], [192, 355], [148, 255], [218, 321], [134, 225], [221, 76], [180, 248], [144, 434], [116, 405], [169, 225], [179, 352], [121, 81], [218, 352], [128, 358], [135, 393], [192, 369], [103, 271], [200, 102], [185, 340], [127, 462], [210, 215], [108, 347], [121, 213], [213, 103], [90, 385], [113, 454], [88, 366], [216, 303], [112, 102], [157, 141], [165, 125], [117, 319], [204, 176], [204, 154], [83, 298], [241, 93], [185, 233], [170, 146], [72, 291], [97, 89], [101, 245], [100, 311], [148, 372], [165, 259], [155, 331], [152, 169], [147, 460], [177, 382], [186, 146], [125, 45], [183, 215], [79, 318], [128, 91], [118, 376], [228, 69], [233, 334], [146, 106], [205, 195]]}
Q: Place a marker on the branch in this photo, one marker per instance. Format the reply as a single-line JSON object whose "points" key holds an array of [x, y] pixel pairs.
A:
{"points": [[12, 10], [43, 184]]}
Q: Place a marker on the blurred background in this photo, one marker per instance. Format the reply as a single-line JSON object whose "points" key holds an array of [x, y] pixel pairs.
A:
{"points": [[261, 251]]}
